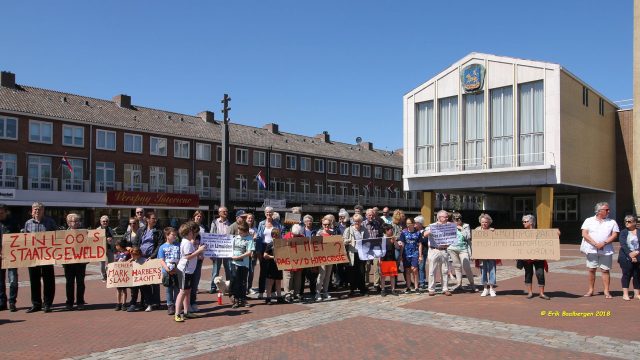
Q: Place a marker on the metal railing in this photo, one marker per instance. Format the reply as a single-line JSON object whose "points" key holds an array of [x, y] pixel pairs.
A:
{"points": [[483, 163]]}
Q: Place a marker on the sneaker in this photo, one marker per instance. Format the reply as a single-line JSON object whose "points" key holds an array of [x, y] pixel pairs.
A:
{"points": [[178, 318], [394, 293], [191, 315], [119, 307], [260, 296], [68, 308], [245, 303], [149, 309], [193, 308], [383, 293], [407, 291], [318, 297], [235, 305], [171, 309], [80, 307], [132, 308], [12, 307], [492, 292], [485, 292], [288, 298], [326, 296], [252, 292], [267, 301]]}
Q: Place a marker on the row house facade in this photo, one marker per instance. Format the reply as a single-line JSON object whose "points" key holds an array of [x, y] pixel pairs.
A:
{"points": [[112, 147]]}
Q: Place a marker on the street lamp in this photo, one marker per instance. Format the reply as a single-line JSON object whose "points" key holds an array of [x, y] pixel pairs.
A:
{"points": [[224, 184]]}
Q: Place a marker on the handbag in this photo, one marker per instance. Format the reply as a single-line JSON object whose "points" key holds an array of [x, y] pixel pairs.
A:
{"points": [[520, 264]]}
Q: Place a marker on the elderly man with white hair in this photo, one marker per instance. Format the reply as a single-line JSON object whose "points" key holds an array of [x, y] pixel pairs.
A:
{"points": [[292, 279], [438, 257], [598, 234]]}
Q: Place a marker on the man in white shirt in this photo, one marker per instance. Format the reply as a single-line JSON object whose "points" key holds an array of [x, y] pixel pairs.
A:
{"points": [[598, 234], [220, 226]]}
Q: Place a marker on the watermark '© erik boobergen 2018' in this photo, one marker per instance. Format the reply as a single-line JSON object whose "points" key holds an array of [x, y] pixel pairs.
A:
{"points": [[576, 314]]}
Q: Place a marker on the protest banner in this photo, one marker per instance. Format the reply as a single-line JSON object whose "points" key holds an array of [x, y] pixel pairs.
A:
{"points": [[130, 273], [539, 244], [369, 249], [53, 247], [218, 245], [303, 252], [291, 218], [443, 234]]}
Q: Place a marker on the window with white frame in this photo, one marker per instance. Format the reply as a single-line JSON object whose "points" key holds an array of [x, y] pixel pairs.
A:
{"points": [[344, 168], [243, 184], [319, 187], [523, 206], [388, 174], [355, 169], [203, 182], [105, 140], [72, 135], [305, 186], [73, 181], [275, 160], [203, 151], [425, 134], [8, 170], [8, 128], [218, 153], [355, 189], [376, 191], [290, 186], [132, 177], [158, 146], [259, 158], [531, 119], [344, 189], [291, 162], [448, 133], [305, 163], [157, 179], [397, 175], [105, 176], [180, 180], [181, 149], [331, 189], [40, 132], [133, 143], [501, 124], [366, 171], [377, 172], [318, 165], [332, 167], [565, 208], [473, 130], [39, 171], [242, 156]]}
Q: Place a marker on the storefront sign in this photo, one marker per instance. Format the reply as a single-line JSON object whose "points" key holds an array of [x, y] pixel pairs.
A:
{"points": [[303, 252], [536, 244], [151, 199], [7, 194], [218, 245], [128, 274], [472, 77], [53, 247], [276, 204]]}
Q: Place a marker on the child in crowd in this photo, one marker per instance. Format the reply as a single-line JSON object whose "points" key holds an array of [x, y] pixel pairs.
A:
{"points": [[144, 290], [387, 263], [273, 274], [186, 267], [169, 254], [121, 254], [243, 246]]}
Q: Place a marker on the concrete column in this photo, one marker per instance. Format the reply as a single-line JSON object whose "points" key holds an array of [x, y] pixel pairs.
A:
{"points": [[428, 206], [544, 207]]}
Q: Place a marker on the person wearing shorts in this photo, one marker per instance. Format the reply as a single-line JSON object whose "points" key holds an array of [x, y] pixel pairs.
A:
{"points": [[598, 234], [411, 240], [186, 267]]}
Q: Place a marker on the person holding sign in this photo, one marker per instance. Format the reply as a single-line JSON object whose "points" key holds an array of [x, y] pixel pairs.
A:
{"points": [[628, 257], [439, 241], [186, 266], [488, 268], [262, 238], [40, 223], [149, 239], [411, 239], [529, 222], [274, 276], [324, 279], [460, 252], [388, 265], [598, 234], [75, 273], [355, 270]]}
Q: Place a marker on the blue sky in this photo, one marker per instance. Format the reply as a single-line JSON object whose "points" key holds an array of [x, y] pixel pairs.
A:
{"points": [[340, 66]]}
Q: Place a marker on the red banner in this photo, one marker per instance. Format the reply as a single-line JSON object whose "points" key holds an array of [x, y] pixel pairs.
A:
{"points": [[151, 199]]}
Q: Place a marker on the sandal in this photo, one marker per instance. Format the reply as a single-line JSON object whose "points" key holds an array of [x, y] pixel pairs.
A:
{"points": [[530, 296], [545, 297], [587, 295], [608, 296]]}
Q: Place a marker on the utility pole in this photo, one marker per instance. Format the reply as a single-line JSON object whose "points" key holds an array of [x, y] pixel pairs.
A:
{"points": [[224, 185]]}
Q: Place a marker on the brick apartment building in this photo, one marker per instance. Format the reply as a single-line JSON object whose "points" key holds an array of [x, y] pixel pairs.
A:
{"points": [[117, 148]]}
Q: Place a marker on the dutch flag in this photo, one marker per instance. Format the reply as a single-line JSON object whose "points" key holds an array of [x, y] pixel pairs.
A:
{"points": [[66, 163], [262, 184]]}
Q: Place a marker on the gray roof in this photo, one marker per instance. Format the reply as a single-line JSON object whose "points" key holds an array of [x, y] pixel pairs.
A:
{"points": [[59, 105]]}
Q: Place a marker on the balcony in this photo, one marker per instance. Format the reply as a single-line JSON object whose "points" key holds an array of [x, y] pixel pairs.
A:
{"points": [[483, 164], [11, 182], [42, 183], [75, 185]]}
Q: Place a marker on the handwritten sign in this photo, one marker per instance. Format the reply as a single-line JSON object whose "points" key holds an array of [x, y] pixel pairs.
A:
{"points": [[369, 249], [525, 244], [218, 245], [291, 218], [53, 247], [303, 252], [128, 274], [443, 234]]}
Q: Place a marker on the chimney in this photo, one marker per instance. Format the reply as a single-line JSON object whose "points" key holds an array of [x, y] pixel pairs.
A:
{"points": [[272, 128], [367, 145], [123, 101], [324, 137], [8, 79], [207, 116]]}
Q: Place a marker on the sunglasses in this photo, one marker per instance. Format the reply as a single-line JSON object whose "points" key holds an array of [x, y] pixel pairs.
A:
{"points": [[629, 221]]}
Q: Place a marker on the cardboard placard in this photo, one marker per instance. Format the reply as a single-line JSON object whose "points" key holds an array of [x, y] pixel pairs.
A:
{"points": [[218, 245], [303, 252], [291, 218], [525, 244], [130, 273], [53, 247], [369, 249], [443, 234]]}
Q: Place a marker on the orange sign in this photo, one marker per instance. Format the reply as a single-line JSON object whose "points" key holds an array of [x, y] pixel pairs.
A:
{"points": [[151, 199]]}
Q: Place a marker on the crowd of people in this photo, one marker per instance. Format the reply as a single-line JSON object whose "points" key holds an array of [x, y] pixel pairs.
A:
{"points": [[411, 253]]}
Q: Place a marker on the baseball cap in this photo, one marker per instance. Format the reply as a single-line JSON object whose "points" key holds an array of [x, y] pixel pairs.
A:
{"points": [[241, 213]]}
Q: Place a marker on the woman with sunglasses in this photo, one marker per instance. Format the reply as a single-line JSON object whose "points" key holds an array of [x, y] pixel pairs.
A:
{"points": [[460, 252], [628, 258], [529, 222]]}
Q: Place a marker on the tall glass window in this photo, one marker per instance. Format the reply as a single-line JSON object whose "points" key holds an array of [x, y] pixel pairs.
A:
{"points": [[72, 181], [8, 170], [531, 123], [425, 150], [39, 172], [105, 176], [448, 133], [157, 179], [501, 114], [132, 177], [474, 130]]}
